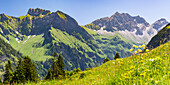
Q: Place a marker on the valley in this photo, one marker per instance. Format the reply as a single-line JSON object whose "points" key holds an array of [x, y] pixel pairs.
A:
{"points": [[40, 33]]}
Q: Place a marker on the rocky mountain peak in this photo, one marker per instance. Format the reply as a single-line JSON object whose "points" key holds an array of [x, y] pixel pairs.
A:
{"points": [[3, 17], [159, 23], [37, 12]]}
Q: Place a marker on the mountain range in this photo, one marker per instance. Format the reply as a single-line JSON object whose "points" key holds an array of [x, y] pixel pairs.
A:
{"points": [[40, 33], [134, 28]]}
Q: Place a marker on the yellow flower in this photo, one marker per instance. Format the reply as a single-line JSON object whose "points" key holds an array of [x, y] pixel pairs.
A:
{"points": [[143, 64], [140, 46], [143, 45], [139, 50], [134, 45], [131, 50], [136, 52], [142, 74], [131, 67], [121, 62], [126, 77], [147, 70], [140, 61], [165, 54], [147, 50]]}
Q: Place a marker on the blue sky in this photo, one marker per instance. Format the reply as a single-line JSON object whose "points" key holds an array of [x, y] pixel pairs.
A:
{"points": [[86, 11]]}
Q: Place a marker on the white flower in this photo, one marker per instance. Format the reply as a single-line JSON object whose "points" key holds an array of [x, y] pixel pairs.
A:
{"points": [[151, 59], [113, 62]]}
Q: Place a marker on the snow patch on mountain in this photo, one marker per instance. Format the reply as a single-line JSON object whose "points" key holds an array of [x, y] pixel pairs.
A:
{"points": [[1, 30], [26, 39], [17, 40], [131, 35], [104, 32]]}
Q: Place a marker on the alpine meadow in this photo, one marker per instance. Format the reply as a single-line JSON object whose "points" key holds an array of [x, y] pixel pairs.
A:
{"points": [[84, 42]]}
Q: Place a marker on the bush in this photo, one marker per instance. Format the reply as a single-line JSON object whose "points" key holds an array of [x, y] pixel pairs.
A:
{"points": [[105, 60], [82, 75], [88, 69], [117, 56]]}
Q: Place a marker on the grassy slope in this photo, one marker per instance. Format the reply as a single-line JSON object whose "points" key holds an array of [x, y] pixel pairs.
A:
{"points": [[109, 44], [147, 68], [30, 46]]}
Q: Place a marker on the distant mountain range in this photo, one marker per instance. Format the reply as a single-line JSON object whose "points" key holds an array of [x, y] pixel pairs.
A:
{"points": [[134, 28]]}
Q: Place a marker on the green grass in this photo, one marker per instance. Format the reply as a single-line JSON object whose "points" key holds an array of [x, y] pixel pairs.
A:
{"points": [[152, 68], [110, 44], [67, 39], [61, 15], [30, 48], [89, 31], [22, 17]]}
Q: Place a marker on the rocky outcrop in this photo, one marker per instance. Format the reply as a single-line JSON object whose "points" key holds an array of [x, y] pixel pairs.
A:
{"points": [[159, 24], [37, 12]]}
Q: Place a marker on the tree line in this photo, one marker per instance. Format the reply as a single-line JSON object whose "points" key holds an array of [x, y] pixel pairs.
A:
{"points": [[26, 71]]}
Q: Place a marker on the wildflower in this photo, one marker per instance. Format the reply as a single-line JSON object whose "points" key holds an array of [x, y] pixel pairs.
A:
{"points": [[131, 67], [156, 81], [131, 50], [142, 74], [165, 54], [113, 62], [147, 50], [140, 46], [143, 64], [121, 62], [147, 70], [126, 77], [139, 50], [134, 45], [152, 79], [143, 46], [138, 57], [151, 59], [140, 61], [136, 52]]}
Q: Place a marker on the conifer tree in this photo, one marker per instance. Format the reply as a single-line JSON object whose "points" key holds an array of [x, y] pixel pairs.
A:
{"points": [[49, 75], [60, 63], [29, 69], [55, 68], [0, 81], [8, 72], [105, 60], [19, 73], [117, 56]]}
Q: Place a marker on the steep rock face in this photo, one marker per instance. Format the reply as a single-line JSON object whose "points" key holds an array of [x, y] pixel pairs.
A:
{"points": [[58, 32], [122, 22], [162, 37], [159, 24]]}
